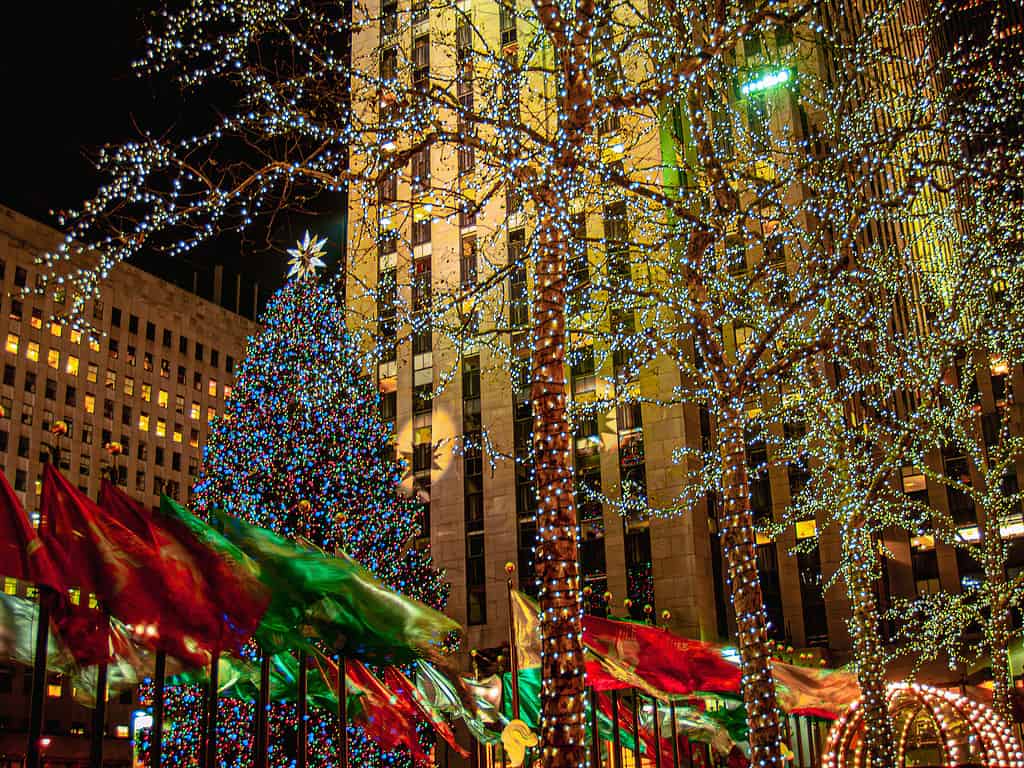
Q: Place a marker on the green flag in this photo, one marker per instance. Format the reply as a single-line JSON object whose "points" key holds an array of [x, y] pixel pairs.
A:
{"points": [[339, 602]]}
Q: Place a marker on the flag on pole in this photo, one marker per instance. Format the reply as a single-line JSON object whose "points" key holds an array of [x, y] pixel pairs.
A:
{"points": [[403, 687], [22, 554], [340, 601]]}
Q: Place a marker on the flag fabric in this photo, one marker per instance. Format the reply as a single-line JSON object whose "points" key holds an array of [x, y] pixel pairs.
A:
{"points": [[403, 687], [824, 693], [213, 602], [385, 718], [341, 602], [485, 723], [22, 554]]}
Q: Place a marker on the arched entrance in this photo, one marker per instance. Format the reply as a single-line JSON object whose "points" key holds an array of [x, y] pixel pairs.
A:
{"points": [[933, 727]]}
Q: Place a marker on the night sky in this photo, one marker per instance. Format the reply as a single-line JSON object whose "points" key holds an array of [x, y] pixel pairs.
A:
{"points": [[68, 88]]}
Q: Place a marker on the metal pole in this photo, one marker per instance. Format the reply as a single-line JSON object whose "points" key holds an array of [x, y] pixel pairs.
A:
{"points": [[799, 744], [210, 748], [636, 728], [156, 732], [675, 733], [99, 718], [616, 738], [35, 720], [595, 738], [342, 715], [513, 656], [301, 734], [262, 700], [657, 732]]}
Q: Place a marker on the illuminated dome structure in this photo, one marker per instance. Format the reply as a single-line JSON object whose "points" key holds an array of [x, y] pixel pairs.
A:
{"points": [[933, 727]]}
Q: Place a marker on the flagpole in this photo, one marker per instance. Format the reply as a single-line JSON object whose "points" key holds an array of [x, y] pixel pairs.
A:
{"points": [[99, 716], [675, 734], [513, 656], [262, 700], [209, 759], [616, 736], [156, 731], [35, 720], [301, 736], [657, 732], [636, 727], [595, 739], [342, 714]]}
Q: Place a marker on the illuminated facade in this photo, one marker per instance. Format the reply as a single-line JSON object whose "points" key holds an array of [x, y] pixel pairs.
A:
{"points": [[155, 370], [461, 424]]}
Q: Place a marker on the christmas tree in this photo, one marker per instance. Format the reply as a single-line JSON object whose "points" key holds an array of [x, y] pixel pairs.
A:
{"points": [[301, 450]]}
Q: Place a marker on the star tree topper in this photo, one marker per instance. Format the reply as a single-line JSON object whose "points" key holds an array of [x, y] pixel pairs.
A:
{"points": [[306, 257]]}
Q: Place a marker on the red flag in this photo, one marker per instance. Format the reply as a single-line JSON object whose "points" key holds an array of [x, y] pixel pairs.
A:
{"points": [[22, 554], [384, 718], [101, 556], [216, 603], [652, 658], [406, 691], [625, 723]]}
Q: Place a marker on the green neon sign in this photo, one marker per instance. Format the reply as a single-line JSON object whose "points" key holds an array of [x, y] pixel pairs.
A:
{"points": [[766, 80]]}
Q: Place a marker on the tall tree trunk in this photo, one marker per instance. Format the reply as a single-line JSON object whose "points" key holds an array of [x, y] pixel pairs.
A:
{"points": [[739, 550], [562, 712], [858, 549], [999, 626]]}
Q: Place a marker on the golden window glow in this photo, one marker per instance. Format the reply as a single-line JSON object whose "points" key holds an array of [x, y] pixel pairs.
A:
{"points": [[144, 422], [227, 391], [93, 373], [806, 529], [147, 392], [71, 365], [211, 414], [56, 329], [194, 412], [75, 336], [161, 427], [211, 389], [90, 403], [161, 398], [129, 386], [177, 433], [94, 344], [12, 343], [53, 359], [32, 353], [37, 319], [10, 585], [54, 690]]}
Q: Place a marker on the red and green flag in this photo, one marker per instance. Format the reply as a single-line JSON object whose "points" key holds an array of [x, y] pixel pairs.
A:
{"points": [[404, 689], [337, 600]]}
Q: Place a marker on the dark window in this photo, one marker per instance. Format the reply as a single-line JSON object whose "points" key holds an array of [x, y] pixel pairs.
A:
{"points": [[20, 277], [51, 389], [16, 310], [468, 262], [133, 324], [229, 363], [115, 317], [183, 345], [199, 351], [112, 348], [126, 414], [24, 445], [214, 358], [150, 331], [30, 382], [9, 373]]}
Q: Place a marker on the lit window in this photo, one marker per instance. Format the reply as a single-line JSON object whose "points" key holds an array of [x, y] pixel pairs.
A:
{"points": [[147, 392], [121, 732], [76, 337], [193, 439], [32, 353], [227, 391], [94, 344], [194, 411], [144, 422], [111, 381], [37, 319], [161, 398], [211, 414], [177, 433], [90, 403], [129, 386], [92, 373], [211, 390], [56, 329], [54, 690], [10, 585], [71, 366], [161, 427], [53, 359], [12, 343]]}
